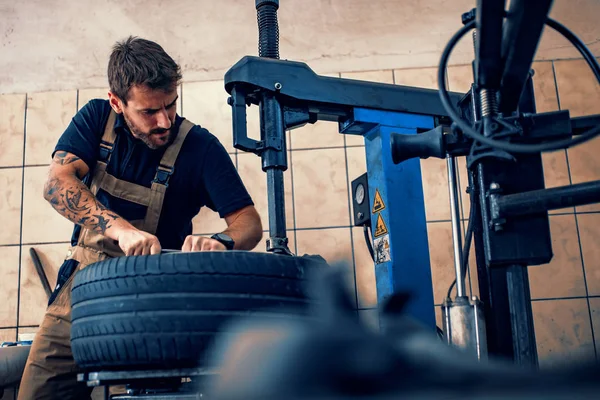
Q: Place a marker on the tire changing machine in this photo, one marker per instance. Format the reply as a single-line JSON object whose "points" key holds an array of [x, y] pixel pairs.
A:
{"points": [[494, 125]]}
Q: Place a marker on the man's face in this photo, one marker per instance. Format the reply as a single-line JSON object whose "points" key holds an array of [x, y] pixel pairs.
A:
{"points": [[149, 114]]}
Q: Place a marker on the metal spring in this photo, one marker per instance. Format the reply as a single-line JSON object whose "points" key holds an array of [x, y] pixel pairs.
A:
{"points": [[268, 31], [475, 42], [489, 103]]}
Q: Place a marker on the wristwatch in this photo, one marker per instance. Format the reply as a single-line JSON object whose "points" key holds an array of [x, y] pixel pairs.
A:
{"points": [[224, 239]]}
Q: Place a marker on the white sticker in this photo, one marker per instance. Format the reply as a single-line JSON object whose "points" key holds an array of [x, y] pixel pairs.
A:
{"points": [[382, 249]]}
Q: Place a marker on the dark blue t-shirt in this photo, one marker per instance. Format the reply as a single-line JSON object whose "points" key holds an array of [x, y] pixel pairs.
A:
{"points": [[204, 174]]}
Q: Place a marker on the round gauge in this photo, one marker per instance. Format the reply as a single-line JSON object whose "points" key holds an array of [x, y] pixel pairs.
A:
{"points": [[359, 194]]}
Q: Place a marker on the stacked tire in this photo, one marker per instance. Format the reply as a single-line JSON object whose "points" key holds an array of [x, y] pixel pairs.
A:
{"points": [[164, 311]]}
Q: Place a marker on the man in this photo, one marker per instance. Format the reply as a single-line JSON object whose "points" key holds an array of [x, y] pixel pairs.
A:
{"points": [[131, 174]]}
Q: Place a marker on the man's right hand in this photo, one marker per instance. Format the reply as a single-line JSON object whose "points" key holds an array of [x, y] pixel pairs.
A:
{"points": [[135, 242]]}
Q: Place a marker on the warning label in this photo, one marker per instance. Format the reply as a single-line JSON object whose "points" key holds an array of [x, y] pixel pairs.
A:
{"points": [[382, 249], [380, 228], [378, 204]]}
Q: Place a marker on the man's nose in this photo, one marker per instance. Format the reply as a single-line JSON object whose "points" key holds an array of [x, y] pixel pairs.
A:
{"points": [[162, 120]]}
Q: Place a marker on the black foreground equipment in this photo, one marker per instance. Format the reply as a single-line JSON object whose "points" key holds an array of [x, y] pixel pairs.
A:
{"points": [[164, 310]]}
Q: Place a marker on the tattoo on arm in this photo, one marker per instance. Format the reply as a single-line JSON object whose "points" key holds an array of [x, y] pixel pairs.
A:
{"points": [[73, 200], [64, 158]]}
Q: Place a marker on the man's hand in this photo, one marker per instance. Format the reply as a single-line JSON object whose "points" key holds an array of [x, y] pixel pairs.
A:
{"points": [[135, 242], [201, 243]]}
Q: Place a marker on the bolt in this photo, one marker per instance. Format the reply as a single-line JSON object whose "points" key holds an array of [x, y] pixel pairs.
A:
{"points": [[360, 215], [494, 186], [278, 86], [474, 298], [230, 100]]}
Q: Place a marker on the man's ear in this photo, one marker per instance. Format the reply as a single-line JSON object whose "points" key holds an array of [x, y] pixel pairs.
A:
{"points": [[115, 102]]}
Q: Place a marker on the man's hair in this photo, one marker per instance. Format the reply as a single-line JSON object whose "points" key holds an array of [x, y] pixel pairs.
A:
{"points": [[137, 61]]}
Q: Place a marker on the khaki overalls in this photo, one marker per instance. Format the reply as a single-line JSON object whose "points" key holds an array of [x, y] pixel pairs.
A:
{"points": [[51, 372]]}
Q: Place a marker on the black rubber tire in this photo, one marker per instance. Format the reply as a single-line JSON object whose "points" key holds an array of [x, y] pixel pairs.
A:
{"points": [[164, 310]]}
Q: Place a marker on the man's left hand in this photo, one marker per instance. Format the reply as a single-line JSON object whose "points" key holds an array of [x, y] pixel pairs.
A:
{"points": [[202, 243]]}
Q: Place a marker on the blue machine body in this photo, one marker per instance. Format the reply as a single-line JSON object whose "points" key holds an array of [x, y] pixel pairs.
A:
{"points": [[398, 222]]}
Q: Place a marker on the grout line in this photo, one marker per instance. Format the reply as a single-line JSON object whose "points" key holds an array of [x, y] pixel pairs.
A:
{"points": [[36, 165], [566, 298], [325, 148], [11, 167], [350, 215], [587, 293], [21, 217], [44, 243], [22, 326], [10, 245]]}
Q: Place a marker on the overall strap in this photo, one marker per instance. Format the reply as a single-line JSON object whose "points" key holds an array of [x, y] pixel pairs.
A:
{"points": [[163, 174], [106, 147]]}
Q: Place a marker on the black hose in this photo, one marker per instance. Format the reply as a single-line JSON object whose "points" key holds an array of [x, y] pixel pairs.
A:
{"points": [[513, 147], [268, 28], [368, 240], [467, 247]]}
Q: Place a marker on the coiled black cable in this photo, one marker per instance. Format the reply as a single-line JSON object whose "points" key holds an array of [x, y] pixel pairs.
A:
{"points": [[514, 147]]}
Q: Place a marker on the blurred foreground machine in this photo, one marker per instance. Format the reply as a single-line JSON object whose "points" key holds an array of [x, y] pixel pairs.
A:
{"points": [[495, 125]]}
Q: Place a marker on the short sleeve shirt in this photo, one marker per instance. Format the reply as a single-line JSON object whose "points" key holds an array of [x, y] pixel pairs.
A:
{"points": [[204, 174]]}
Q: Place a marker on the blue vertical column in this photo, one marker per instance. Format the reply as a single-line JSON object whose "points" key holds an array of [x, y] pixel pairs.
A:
{"points": [[398, 220]]}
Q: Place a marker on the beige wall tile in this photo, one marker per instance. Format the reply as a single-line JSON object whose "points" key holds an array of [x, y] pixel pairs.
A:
{"points": [[27, 330], [595, 311], [434, 173], [580, 94], [334, 245], [417, 77], [366, 286], [33, 298], [578, 90], [317, 135], [41, 223], [205, 104], [85, 95], [546, 98], [563, 276], [556, 172], [8, 334], [320, 188], [589, 234], [9, 285], [10, 205], [460, 78], [441, 258], [48, 115], [255, 179], [369, 319], [563, 331], [12, 129], [208, 222], [385, 76]]}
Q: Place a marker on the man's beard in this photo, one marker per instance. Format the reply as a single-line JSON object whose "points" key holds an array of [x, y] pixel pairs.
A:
{"points": [[145, 137]]}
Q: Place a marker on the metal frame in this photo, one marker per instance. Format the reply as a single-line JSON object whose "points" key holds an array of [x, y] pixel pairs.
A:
{"points": [[290, 95]]}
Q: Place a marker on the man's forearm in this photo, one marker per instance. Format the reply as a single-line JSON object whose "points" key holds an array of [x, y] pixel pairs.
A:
{"points": [[72, 199], [245, 230]]}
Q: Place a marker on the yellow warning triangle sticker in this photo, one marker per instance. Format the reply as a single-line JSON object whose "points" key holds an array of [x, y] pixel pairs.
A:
{"points": [[380, 229], [378, 204]]}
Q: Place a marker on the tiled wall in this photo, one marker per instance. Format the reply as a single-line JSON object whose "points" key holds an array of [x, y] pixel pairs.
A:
{"points": [[566, 293]]}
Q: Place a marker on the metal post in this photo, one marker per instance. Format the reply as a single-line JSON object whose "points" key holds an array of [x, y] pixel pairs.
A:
{"points": [[456, 231]]}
